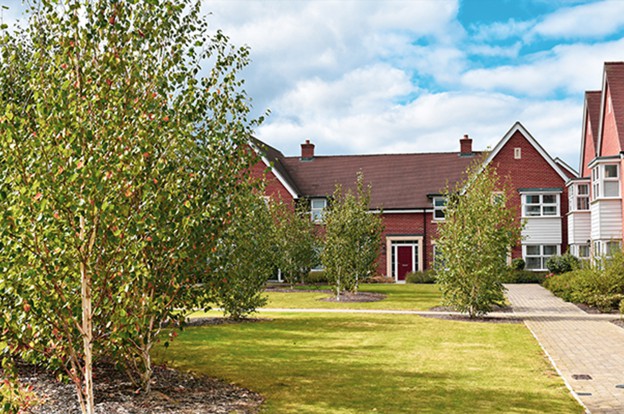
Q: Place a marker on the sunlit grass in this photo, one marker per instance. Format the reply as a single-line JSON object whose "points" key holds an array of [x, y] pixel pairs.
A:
{"points": [[346, 363], [398, 297]]}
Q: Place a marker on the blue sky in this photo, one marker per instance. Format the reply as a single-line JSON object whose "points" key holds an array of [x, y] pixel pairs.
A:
{"points": [[414, 76]]}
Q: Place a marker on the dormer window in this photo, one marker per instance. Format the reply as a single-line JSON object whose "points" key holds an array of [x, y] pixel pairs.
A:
{"points": [[606, 181], [439, 208], [317, 209]]}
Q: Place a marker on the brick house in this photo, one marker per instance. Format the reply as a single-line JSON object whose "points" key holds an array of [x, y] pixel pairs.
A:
{"points": [[595, 222], [407, 191]]}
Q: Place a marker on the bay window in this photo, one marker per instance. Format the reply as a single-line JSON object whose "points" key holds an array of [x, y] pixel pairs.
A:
{"points": [[540, 205], [579, 197], [606, 181]]}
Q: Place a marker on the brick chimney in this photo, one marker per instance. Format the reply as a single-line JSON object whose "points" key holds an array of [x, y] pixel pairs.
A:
{"points": [[307, 151], [465, 145]]}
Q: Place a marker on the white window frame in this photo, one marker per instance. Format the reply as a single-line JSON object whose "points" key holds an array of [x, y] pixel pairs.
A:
{"points": [[317, 213], [600, 180], [541, 205], [541, 255], [517, 153], [439, 211], [578, 201]]}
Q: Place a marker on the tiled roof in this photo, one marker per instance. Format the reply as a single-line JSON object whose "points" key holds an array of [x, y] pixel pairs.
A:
{"points": [[592, 99], [399, 181], [614, 76]]}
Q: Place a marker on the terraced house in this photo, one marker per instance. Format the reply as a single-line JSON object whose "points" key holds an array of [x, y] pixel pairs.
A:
{"points": [[407, 190], [595, 219]]}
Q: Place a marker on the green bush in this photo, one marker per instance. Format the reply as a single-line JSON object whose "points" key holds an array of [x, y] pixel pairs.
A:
{"points": [[562, 264], [317, 277], [600, 286], [428, 276], [518, 264], [524, 276]]}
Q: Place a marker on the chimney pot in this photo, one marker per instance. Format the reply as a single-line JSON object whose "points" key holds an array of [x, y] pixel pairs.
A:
{"points": [[307, 151]]}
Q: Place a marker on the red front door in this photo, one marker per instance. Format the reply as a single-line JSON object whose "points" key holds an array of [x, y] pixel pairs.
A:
{"points": [[405, 261]]}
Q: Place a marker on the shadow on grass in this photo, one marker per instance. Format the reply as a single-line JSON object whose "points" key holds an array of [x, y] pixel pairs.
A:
{"points": [[351, 364]]}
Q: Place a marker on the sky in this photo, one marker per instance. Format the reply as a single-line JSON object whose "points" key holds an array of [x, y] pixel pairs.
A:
{"points": [[395, 76]]}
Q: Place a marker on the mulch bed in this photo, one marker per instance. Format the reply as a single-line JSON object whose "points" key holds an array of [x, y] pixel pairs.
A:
{"points": [[466, 318], [356, 297], [344, 297], [173, 392]]}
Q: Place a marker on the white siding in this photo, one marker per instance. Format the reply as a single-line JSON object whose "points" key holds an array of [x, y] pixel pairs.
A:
{"points": [[542, 230], [606, 220], [579, 227]]}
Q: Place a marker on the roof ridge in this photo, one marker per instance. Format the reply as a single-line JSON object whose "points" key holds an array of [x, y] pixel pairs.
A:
{"points": [[383, 154]]}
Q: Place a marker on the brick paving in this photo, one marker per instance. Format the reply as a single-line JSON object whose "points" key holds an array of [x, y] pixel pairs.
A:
{"points": [[578, 345]]}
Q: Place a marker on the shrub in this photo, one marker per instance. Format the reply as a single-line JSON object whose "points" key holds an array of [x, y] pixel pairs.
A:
{"points": [[428, 276], [562, 264], [524, 276], [378, 279], [317, 277], [518, 264], [600, 286]]}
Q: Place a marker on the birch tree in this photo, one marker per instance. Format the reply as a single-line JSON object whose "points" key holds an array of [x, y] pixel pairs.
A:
{"points": [[352, 238], [479, 229], [116, 165]]}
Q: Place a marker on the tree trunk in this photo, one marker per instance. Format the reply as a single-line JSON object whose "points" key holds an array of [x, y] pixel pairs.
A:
{"points": [[87, 331]]}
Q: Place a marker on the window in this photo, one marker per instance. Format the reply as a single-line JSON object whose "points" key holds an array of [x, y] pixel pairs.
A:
{"points": [[583, 251], [579, 197], [606, 181], [606, 248], [535, 255], [517, 153], [538, 205], [317, 208], [439, 207], [612, 247]]}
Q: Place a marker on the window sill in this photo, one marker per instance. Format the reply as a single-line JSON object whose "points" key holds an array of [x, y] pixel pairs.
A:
{"points": [[541, 217], [605, 198]]}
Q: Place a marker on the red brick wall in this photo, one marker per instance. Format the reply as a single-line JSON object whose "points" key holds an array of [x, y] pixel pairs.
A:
{"points": [[610, 143], [531, 171], [274, 188], [404, 224]]}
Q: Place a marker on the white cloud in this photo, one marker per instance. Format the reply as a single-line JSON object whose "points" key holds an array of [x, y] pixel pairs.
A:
{"points": [[498, 31], [583, 21], [432, 123], [570, 69]]}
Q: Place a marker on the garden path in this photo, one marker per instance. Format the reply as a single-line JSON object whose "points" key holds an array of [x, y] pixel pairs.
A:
{"points": [[587, 351]]}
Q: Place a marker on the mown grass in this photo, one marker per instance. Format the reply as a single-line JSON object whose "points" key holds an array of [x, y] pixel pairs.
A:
{"points": [[398, 297], [348, 364]]}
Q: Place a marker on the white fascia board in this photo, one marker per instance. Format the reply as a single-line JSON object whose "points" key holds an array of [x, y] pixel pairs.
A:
{"points": [[276, 173], [519, 127], [603, 98], [568, 167], [279, 177]]}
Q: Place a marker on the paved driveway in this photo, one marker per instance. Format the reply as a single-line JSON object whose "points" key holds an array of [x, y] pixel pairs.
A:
{"points": [[588, 351]]}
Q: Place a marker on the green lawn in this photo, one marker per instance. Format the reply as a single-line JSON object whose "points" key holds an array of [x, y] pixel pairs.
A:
{"points": [[399, 297], [346, 363]]}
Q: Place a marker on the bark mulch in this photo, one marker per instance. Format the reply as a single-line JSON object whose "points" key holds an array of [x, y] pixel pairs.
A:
{"points": [[466, 318], [173, 392], [344, 297]]}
